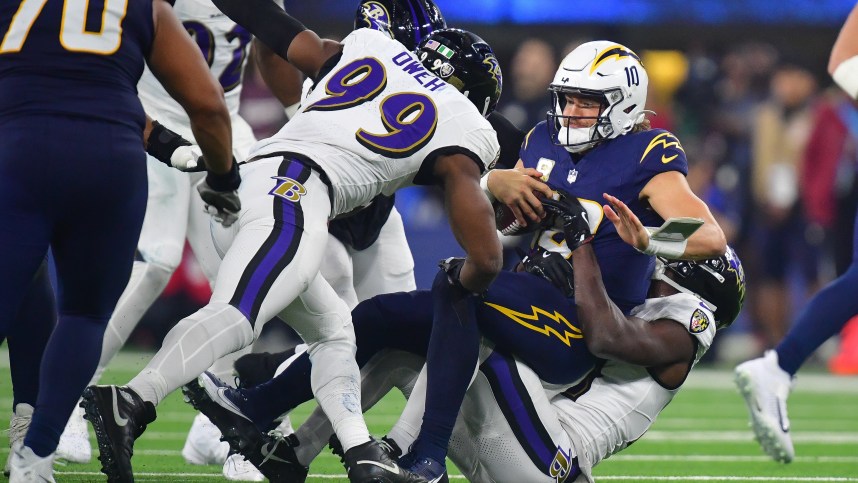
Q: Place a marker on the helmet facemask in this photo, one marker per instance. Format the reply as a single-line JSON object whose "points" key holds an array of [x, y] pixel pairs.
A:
{"points": [[579, 139]]}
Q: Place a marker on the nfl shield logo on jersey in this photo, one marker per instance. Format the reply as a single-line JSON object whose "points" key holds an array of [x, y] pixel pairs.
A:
{"points": [[572, 176]]}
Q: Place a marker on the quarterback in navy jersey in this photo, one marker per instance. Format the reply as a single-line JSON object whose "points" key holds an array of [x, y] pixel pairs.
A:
{"points": [[73, 179]]}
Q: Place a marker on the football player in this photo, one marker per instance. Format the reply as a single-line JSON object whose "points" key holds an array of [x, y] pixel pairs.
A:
{"points": [[69, 105], [596, 140], [766, 382], [173, 211], [381, 122], [511, 428]]}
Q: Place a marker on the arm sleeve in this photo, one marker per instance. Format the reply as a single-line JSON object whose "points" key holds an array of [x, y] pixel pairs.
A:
{"points": [[264, 19]]}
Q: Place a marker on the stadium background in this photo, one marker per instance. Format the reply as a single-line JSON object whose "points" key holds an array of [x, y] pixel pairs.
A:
{"points": [[743, 85]]}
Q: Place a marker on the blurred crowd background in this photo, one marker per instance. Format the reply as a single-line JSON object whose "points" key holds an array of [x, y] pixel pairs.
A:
{"points": [[772, 144]]}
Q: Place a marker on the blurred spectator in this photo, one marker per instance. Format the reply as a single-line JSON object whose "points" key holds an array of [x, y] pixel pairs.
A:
{"points": [[782, 127], [829, 190], [532, 69]]}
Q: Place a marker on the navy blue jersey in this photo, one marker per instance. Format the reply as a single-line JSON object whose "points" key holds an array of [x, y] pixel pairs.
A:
{"points": [[74, 57], [620, 167]]}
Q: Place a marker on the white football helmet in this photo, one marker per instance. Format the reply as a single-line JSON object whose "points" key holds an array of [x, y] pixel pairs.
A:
{"points": [[606, 71]]}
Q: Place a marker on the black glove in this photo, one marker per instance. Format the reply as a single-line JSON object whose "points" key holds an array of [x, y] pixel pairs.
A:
{"points": [[453, 268], [218, 191], [568, 215], [173, 150], [552, 267]]}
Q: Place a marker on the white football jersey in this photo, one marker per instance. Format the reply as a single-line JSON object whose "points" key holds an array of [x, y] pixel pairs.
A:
{"points": [[224, 44], [372, 121], [622, 404]]}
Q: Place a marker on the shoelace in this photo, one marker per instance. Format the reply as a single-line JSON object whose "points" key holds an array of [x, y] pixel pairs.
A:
{"points": [[278, 438], [18, 427]]}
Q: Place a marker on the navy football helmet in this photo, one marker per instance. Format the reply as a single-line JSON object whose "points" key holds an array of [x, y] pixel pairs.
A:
{"points": [[717, 282], [466, 62], [408, 21]]}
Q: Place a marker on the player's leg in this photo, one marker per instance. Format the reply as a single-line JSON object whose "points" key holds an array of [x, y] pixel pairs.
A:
{"points": [[515, 426], [27, 339], [338, 269], [400, 321], [93, 263], [386, 266], [766, 382], [162, 241]]}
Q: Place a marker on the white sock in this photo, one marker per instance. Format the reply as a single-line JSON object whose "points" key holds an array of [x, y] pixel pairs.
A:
{"points": [[147, 281], [190, 348]]}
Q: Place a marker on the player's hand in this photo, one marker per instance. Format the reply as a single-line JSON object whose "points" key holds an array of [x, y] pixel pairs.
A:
{"points": [[517, 189], [553, 267], [570, 216], [174, 150], [628, 226], [219, 193]]}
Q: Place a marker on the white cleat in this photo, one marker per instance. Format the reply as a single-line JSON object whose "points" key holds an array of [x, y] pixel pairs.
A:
{"points": [[27, 467], [18, 425], [765, 387], [203, 446], [236, 468], [74, 444]]}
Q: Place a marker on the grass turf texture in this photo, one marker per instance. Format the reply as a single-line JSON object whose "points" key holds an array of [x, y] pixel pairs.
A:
{"points": [[702, 436]]}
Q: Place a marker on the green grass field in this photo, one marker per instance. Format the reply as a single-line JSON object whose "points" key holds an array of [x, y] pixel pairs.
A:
{"points": [[702, 436]]}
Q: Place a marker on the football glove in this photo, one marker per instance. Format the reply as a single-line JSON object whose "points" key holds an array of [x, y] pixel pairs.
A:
{"points": [[551, 266], [218, 192], [569, 215], [174, 150]]}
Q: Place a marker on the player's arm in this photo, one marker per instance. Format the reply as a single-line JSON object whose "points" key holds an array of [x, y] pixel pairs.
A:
{"points": [[176, 62], [471, 219], [282, 33], [670, 196], [843, 62], [281, 77], [611, 335]]}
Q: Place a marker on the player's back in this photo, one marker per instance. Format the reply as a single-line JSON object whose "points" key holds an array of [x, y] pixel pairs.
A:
{"points": [[372, 121], [624, 400], [74, 58], [223, 44]]}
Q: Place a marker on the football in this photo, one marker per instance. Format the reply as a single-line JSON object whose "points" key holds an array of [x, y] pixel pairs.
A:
{"points": [[508, 225]]}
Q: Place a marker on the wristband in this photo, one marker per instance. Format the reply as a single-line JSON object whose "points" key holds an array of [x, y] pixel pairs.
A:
{"points": [[229, 181], [666, 249], [292, 110], [846, 76], [162, 143], [484, 184]]}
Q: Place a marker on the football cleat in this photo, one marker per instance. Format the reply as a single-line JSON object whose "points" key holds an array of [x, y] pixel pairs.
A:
{"points": [[74, 443], [119, 416], [370, 463], [236, 468], [27, 467], [765, 387], [203, 445], [18, 425], [272, 454]]}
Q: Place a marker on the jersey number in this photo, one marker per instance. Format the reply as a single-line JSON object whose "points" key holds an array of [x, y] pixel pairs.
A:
{"points": [[74, 36], [409, 118], [230, 78]]}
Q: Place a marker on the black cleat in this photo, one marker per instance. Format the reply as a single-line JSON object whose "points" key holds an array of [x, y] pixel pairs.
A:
{"points": [[370, 463], [119, 417], [255, 368], [272, 454]]}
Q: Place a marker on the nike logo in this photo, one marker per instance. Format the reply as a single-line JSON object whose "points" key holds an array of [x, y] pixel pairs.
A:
{"points": [[391, 468], [269, 455], [116, 417], [546, 254], [667, 159]]}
